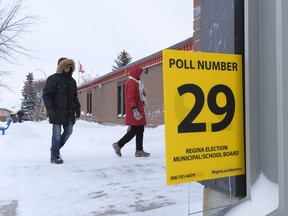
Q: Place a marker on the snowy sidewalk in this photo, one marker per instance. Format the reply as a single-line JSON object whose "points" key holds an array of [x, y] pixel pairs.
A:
{"points": [[93, 181], [9, 209]]}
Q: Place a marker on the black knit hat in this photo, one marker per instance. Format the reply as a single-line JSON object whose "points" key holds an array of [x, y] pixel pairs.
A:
{"points": [[61, 59]]}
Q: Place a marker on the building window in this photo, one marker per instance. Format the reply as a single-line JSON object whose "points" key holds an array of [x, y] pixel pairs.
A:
{"points": [[89, 103], [121, 100]]}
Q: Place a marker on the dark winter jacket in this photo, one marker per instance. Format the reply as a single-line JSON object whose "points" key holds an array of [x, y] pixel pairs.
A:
{"points": [[132, 98], [60, 95]]}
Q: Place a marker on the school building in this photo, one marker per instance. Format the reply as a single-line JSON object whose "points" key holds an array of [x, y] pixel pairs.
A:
{"points": [[102, 100]]}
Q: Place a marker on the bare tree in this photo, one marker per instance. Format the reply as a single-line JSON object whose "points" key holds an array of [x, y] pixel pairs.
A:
{"points": [[88, 78], [2, 84], [39, 85], [13, 25]]}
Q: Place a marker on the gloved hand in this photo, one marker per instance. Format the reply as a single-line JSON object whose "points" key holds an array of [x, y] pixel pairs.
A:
{"points": [[136, 114], [51, 113], [78, 113]]}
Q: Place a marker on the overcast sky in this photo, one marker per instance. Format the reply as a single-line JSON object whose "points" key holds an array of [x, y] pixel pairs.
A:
{"points": [[95, 32]]}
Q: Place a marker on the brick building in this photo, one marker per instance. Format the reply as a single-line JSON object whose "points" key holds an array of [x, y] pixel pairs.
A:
{"points": [[102, 100], [4, 114]]}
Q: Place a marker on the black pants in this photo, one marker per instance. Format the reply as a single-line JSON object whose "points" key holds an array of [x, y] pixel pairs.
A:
{"points": [[133, 131]]}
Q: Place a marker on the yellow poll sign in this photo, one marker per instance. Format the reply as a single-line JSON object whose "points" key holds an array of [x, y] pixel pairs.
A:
{"points": [[203, 113]]}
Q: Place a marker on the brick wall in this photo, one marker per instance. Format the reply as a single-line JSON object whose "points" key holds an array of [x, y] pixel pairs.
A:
{"points": [[153, 82], [196, 26], [104, 101]]}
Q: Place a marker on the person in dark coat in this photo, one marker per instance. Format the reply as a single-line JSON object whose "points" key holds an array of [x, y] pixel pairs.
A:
{"points": [[135, 115], [20, 115], [62, 104]]}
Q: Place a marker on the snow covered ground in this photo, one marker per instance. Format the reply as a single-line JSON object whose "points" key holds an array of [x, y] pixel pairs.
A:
{"points": [[93, 181]]}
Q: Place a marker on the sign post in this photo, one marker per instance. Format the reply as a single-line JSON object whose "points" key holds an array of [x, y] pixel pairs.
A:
{"points": [[203, 104]]}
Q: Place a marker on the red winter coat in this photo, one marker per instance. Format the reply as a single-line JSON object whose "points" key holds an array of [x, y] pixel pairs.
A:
{"points": [[132, 98]]}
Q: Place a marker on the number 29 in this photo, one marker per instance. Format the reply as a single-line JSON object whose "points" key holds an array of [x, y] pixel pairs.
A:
{"points": [[187, 125]]}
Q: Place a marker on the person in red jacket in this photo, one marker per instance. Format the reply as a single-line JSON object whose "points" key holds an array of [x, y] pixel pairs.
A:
{"points": [[135, 115]]}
